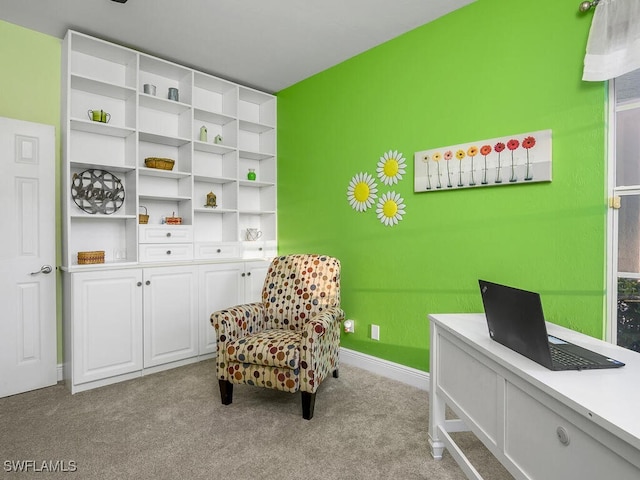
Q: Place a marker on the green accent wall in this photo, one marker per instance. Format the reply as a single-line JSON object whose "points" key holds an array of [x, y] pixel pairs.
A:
{"points": [[492, 69], [30, 86]]}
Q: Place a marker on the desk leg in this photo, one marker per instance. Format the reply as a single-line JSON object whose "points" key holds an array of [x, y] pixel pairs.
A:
{"points": [[436, 403]]}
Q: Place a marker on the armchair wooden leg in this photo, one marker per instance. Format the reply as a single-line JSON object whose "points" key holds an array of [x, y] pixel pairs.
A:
{"points": [[335, 373], [226, 391], [308, 402]]}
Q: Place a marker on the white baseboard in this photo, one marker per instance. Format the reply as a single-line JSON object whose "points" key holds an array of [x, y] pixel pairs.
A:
{"points": [[411, 376]]}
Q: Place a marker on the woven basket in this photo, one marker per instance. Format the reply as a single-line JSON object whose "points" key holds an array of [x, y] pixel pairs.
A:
{"points": [[160, 163], [90, 258], [143, 218]]}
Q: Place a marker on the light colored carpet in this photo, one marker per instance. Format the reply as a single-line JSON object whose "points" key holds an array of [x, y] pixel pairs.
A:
{"points": [[171, 425]]}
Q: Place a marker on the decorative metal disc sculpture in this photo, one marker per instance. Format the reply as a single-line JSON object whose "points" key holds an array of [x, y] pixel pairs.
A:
{"points": [[97, 191]]}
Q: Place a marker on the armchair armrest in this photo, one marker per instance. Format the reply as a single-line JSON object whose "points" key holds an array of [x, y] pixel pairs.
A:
{"points": [[236, 322], [319, 345], [233, 323]]}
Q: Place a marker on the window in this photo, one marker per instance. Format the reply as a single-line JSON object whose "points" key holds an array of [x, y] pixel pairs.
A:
{"points": [[624, 218]]}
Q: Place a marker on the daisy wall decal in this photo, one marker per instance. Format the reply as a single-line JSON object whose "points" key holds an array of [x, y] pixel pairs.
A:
{"points": [[362, 191], [390, 208], [391, 167]]}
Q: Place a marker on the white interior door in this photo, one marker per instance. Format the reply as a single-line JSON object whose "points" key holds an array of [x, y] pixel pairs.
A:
{"points": [[27, 257]]}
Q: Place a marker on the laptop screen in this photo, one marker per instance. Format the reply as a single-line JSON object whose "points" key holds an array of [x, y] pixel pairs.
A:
{"points": [[515, 319]]}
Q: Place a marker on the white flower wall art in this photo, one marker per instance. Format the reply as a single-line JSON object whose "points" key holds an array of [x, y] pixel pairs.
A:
{"points": [[391, 167], [362, 192]]}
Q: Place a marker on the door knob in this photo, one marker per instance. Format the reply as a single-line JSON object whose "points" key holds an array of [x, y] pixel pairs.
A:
{"points": [[43, 269]]}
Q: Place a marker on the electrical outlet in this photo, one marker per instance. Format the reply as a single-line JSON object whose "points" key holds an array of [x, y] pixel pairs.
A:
{"points": [[375, 332], [349, 326]]}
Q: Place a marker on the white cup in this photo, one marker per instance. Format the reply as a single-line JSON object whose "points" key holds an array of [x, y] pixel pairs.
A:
{"points": [[253, 234]]}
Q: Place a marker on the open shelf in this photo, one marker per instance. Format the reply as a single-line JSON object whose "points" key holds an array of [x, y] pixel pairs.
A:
{"points": [[215, 131]]}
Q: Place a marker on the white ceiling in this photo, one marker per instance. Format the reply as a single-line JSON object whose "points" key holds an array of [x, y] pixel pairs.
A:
{"points": [[267, 44]]}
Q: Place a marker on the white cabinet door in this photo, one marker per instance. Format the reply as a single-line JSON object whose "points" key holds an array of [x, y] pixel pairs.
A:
{"points": [[221, 286], [105, 324], [170, 322], [255, 273]]}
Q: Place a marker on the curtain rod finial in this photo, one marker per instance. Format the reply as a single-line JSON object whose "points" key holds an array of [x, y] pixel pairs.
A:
{"points": [[585, 6]]}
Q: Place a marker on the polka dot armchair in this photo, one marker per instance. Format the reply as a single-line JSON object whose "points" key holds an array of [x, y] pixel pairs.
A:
{"points": [[290, 340]]}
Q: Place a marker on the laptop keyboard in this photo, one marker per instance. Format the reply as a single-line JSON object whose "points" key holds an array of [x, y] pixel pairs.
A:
{"points": [[565, 358]]}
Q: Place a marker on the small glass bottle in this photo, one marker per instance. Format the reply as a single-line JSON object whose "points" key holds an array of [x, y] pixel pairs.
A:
{"points": [[252, 174]]}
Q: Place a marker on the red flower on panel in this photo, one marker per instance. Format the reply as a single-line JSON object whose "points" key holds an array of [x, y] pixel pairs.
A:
{"points": [[527, 143], [498, 147], [512, 145]]}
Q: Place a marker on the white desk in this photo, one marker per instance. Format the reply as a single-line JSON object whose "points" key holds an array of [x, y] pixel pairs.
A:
{"points": [[540, 424]]}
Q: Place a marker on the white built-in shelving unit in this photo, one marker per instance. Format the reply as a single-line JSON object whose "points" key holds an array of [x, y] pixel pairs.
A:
{"points": [[147, 306]]}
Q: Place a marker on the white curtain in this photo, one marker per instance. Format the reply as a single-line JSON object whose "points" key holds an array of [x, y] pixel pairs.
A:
{"points": [[613, 48]]}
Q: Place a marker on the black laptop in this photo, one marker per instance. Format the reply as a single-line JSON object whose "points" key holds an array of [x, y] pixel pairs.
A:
{"points": [[516, 320]]}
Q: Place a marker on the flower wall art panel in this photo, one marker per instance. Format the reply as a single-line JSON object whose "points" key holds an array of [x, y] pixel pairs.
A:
{"points": [[508, 160]]}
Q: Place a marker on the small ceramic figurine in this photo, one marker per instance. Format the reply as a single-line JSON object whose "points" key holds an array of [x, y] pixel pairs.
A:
{"points": [[218, 139], [203, 133], [211, 200]]}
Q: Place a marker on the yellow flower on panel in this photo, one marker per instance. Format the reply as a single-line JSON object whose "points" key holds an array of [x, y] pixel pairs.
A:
{"points": [[362, 191], [390, 208], [391, 167]]}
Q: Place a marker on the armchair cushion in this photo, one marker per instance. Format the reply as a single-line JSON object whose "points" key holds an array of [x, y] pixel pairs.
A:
{"points": [[272, 348]]}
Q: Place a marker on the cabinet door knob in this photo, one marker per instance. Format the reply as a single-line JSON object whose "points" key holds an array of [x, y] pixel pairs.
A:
{"points": [[219, 250], [248, 274], [168, 234], [243, 274], [148, 282], [139, 284], [168, 252], [563, 436]]}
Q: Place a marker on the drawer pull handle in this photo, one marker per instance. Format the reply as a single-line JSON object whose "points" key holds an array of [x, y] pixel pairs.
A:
{"points": [[168, 252], [563, 436], [219, 250], [168, 234]]}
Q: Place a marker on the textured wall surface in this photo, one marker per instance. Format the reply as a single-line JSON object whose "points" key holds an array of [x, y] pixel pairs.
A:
{"points": [[494, 68]]}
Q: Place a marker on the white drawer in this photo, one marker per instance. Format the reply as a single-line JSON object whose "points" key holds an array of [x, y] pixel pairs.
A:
{"points": [[208, 250], [166, 233], [259, 249], [545, 445], [165, 252]]}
